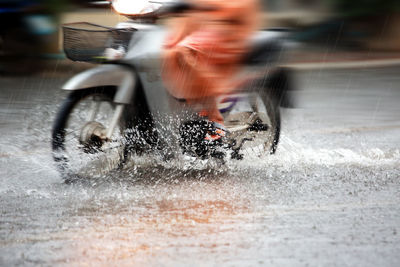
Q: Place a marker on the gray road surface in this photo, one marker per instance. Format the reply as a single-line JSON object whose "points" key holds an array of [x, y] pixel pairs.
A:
{"points": [[329, 197]]}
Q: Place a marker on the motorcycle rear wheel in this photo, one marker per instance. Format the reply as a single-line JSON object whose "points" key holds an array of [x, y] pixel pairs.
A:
{"points": [[79, 147], [261, 124]]}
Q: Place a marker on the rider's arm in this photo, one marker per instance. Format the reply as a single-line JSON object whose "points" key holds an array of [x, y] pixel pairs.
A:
{"points": [[180, 27]]}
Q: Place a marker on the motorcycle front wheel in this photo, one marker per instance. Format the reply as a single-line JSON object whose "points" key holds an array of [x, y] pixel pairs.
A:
{"points": [[80, 146]]}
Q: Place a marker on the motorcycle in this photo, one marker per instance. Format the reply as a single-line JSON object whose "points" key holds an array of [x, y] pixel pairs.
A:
{"points": [[120, 110]]}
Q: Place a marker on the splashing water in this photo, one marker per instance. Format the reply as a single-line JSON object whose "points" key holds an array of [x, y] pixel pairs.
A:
{"points": [[329, 194]]}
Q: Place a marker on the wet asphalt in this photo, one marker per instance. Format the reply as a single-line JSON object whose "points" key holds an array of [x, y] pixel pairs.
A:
{"points": [[329, 196]]}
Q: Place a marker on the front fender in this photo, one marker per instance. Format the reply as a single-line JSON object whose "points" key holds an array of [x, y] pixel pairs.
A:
{"points": [[106, 75]]}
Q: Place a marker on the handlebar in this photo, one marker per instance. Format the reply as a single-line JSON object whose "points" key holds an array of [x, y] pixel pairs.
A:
{"points": [[179, 7], [167, 8], [98, 4]]}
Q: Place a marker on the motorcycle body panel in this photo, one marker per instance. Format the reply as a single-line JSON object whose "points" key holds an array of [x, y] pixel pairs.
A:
{"points": [[145, 56]]}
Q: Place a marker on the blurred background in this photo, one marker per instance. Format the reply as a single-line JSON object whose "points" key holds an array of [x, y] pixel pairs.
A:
{"points": [[327, 30], [358, 24]]}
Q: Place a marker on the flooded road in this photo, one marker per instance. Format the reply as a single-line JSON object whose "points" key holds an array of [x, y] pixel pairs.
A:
{"points": [[328, 197]]}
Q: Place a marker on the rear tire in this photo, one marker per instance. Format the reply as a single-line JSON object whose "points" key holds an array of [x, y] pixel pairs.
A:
{"points": [[258, 117], [274, 114]]}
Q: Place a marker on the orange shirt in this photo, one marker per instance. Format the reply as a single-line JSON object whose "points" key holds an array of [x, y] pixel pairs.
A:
{"points": [[204, 49]]}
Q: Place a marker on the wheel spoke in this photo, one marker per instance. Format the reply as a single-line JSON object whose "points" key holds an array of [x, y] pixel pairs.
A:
{"points": [[85, 115], [263, 110], [93, 110]]}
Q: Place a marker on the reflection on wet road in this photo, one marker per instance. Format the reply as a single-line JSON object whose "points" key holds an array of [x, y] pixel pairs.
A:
{"points": [[329, 197]]}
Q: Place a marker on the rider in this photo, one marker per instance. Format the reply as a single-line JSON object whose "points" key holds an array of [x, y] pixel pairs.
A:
{"points": [[203, 51]]}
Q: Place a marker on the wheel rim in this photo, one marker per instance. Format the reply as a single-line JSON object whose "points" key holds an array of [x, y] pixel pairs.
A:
{"points": [[85, 152]]}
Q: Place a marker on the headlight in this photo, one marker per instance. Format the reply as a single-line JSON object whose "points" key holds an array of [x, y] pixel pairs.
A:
{"points": [[134, 7]]}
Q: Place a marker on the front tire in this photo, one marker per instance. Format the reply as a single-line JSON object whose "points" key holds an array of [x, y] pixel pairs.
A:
{"points": [[79, 149]]}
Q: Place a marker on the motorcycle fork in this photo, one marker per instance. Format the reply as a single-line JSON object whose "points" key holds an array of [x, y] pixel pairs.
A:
{"points": [[119, 109], [94, 108]]}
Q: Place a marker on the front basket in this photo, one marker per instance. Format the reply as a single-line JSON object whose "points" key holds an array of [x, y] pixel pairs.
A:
{"points": [[87, 42]]}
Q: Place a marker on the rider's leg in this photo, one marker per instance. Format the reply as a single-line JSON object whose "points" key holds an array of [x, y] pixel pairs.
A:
{"points": [[208, 108]]}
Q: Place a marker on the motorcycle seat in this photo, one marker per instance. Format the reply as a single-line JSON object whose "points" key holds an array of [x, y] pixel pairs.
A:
{"points": [[265, 48]]}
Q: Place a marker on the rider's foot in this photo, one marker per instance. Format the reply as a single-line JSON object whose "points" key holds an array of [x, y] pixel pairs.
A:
{"points": [[216, 132], [204, 138], [216, 140]]}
